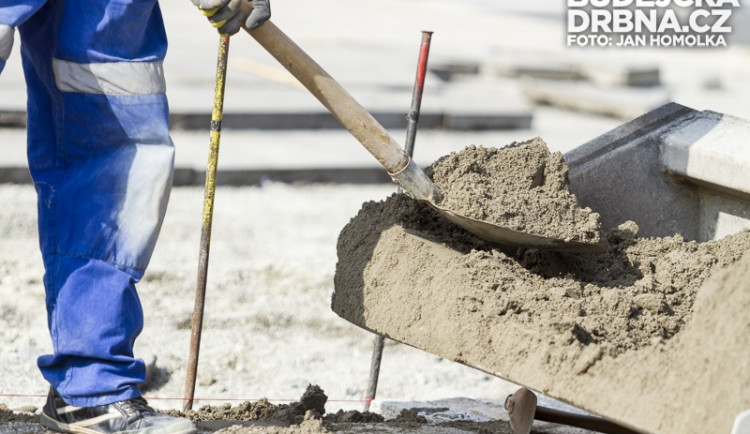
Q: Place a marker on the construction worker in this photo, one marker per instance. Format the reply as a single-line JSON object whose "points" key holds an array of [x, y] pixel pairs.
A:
{"points": [[101, 158]]}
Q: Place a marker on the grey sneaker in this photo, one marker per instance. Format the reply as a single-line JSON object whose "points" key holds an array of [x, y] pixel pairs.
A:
{"points": [[133, 416]]}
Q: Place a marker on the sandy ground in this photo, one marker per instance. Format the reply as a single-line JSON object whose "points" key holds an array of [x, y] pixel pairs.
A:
{"points": [[269, 330]]}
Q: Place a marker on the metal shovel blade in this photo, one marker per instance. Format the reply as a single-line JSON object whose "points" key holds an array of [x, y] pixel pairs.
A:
{"points": [[502, 235], [381, 145]]}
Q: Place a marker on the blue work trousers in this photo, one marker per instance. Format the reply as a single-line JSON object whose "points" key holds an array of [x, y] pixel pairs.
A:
{"points": [[101, 159]]}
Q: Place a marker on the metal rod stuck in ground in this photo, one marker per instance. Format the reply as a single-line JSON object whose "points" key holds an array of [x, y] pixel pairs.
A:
{"points": [[411, 133], [207, 220]]}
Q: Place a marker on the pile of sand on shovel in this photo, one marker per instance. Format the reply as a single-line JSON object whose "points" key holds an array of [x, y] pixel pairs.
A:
{"points": [[573, 326], [522, 187]]}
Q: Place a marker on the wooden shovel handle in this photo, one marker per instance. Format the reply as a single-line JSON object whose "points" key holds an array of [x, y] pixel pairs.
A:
{"points": [[335, 98]]}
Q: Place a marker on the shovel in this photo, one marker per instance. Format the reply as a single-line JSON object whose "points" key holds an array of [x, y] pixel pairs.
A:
{"points": [[402, 169]]}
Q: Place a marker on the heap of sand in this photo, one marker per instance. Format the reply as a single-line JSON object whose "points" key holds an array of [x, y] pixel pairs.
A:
{"points": [[632, 334]]}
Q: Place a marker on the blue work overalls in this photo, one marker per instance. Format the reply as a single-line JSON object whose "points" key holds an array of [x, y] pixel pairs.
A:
{"points": [[101, 159]]}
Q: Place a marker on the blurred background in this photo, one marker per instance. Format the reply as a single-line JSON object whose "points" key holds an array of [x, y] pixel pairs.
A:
{"points": [[499, 71]]}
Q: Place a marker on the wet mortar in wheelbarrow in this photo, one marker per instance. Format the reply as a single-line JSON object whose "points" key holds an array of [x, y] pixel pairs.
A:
{"points": [[643, 334]]}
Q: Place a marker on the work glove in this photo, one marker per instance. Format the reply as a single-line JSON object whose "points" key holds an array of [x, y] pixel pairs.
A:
{"points": [[225, 15]]}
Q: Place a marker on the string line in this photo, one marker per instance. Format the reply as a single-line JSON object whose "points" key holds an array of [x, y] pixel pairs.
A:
{"points": [[164, 398]]}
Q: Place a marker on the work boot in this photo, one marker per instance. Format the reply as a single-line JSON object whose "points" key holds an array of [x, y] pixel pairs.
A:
{"points": [[134, 416]]}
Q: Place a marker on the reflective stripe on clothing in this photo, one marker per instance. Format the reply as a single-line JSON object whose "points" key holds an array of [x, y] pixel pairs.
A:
{"points": [[101, 159], [113, 78], [6, 41]]}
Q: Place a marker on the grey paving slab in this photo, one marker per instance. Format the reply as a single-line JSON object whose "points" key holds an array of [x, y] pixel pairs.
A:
{"points": [[484, 103], [377, 44], [479, 410], [372, 53], [622, 102], [622, 73], [448, 70], [537, 63], [249, 156], [537, 68], [290, 108], [609, 70]]}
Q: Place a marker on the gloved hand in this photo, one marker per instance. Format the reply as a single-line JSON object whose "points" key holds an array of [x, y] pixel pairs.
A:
{"points": [[225, 14]]}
